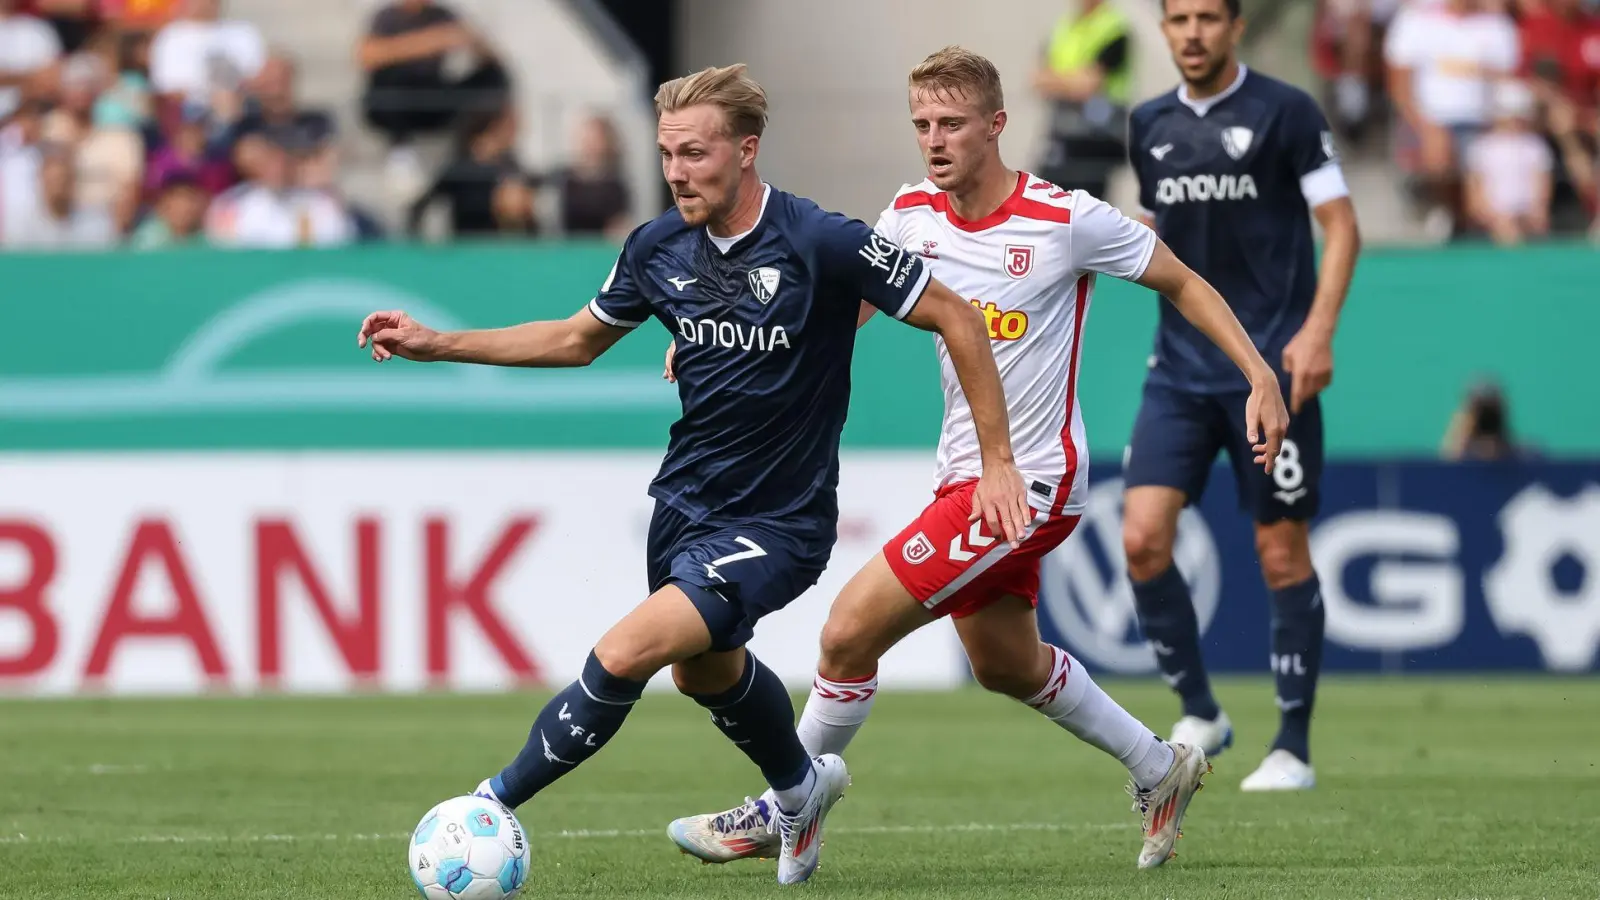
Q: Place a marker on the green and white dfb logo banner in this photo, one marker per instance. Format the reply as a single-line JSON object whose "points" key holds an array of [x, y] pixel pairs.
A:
{"points": [[1424, 566]]}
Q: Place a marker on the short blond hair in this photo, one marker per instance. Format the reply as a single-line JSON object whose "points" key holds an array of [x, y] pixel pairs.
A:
{"points": [[729, 88], [957, 71]]}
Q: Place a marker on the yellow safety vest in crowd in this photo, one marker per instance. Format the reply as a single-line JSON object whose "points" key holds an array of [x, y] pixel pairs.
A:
{"points": [[1078, 41]]}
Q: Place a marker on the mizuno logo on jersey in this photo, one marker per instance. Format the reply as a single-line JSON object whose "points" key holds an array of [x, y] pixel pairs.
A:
{"points": [[1202, 188], [733, 335], [1161, 152]]}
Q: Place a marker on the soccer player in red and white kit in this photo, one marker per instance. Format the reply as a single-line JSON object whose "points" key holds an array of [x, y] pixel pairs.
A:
{"points": [[1026, 253]]}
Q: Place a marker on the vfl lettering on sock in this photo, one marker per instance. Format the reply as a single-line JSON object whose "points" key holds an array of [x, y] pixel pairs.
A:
{"points": [[551, 754]]}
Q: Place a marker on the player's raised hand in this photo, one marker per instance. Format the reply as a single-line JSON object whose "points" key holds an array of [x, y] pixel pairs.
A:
{"points": [[1001, 501], [393, 333], [666, 372], [1268, 421], [1308, 358]]}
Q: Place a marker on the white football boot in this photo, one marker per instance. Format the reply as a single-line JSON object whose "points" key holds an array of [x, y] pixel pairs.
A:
{"points": [[1280, 771], [1211, 735], [748, 831], [1162, 807], [802, 832]]}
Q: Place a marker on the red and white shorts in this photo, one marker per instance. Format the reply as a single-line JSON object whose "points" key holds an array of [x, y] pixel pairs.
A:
{"points": [[956, 568]]}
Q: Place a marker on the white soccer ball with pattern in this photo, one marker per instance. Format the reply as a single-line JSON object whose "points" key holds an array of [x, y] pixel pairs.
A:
{"points": [[469, 848]]}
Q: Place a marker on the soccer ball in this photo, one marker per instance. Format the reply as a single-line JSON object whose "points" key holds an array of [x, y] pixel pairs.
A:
{"points": [[469, 848]]}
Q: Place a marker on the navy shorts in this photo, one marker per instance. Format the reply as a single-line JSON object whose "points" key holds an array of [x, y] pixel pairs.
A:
{"points": [[1177, 435], [734, 574]]}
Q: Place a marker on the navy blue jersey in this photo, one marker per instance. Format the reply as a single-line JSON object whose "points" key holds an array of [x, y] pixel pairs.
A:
{"points": [[1229, 181], [764, 334]]}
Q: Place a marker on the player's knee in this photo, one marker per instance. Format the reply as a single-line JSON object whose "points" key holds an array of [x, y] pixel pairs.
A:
{"points": [[1006, 673], [708, 673], [1285, 554], [1148, 547], [847, 649], [628, 657]]}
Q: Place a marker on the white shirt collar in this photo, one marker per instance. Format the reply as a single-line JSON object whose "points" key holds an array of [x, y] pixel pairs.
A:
{"points": [[724, 244], [1204, 105]]}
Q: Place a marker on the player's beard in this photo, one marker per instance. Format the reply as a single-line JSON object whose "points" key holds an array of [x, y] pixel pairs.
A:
{"points": [[695, 210], [703, 208], [1207, 79]]}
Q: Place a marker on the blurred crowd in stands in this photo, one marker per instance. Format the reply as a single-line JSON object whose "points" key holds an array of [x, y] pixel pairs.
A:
{"points": [[158, 123], [1487, 107], [153, 123]]}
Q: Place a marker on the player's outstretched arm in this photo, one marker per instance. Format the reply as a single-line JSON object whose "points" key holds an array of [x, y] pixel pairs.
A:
{"points": [[575, 341], [1200, 303], [1001, 497]]}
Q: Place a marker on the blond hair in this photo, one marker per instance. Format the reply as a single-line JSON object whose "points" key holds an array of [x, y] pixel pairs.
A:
{"points": [[957, 71], [742, 101]]}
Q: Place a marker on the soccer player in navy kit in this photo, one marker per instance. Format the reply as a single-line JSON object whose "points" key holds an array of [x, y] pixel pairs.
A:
{"points": [[1232, 166], [761, 290]]}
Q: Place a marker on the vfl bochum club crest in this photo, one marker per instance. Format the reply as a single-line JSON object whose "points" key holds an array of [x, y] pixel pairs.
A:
{"points": [[764, 283], [1237, 141]]}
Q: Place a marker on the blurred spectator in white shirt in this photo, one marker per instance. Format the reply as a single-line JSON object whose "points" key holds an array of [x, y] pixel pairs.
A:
{"points": [[110, 156], [19, 164], [269, 210], [28, 47], [1444, 59], [201, 53], [1509, 171], [59, 220]]}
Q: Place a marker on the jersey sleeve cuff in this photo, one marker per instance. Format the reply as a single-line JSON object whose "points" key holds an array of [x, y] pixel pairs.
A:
{"points": [[1324, 184], [609, 319], [1145, 255], [914, 294]]}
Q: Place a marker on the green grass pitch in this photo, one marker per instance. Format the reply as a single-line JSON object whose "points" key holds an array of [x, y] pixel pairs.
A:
{"points": [[1430, 788]]}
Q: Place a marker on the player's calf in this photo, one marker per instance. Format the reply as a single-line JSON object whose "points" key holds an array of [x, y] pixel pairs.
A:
{"points": [[756, 714], [871, 615], [580, 719], [1072, 700], [1298, 622], [572, 727]]}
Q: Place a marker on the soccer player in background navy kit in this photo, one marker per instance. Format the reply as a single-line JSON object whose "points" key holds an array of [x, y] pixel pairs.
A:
{"points": [[761, 290], [1232, 165]]}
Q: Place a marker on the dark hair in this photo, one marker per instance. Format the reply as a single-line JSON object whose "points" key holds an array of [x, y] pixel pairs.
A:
{"points": [[1235, 10]]}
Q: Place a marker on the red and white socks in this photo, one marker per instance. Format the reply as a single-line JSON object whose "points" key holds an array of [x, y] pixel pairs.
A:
{"points": [[1071, 699], [834, 712]]}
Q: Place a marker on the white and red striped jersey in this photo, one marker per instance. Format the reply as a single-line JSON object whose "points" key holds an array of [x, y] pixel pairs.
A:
{"points": [[1029, 267]]}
